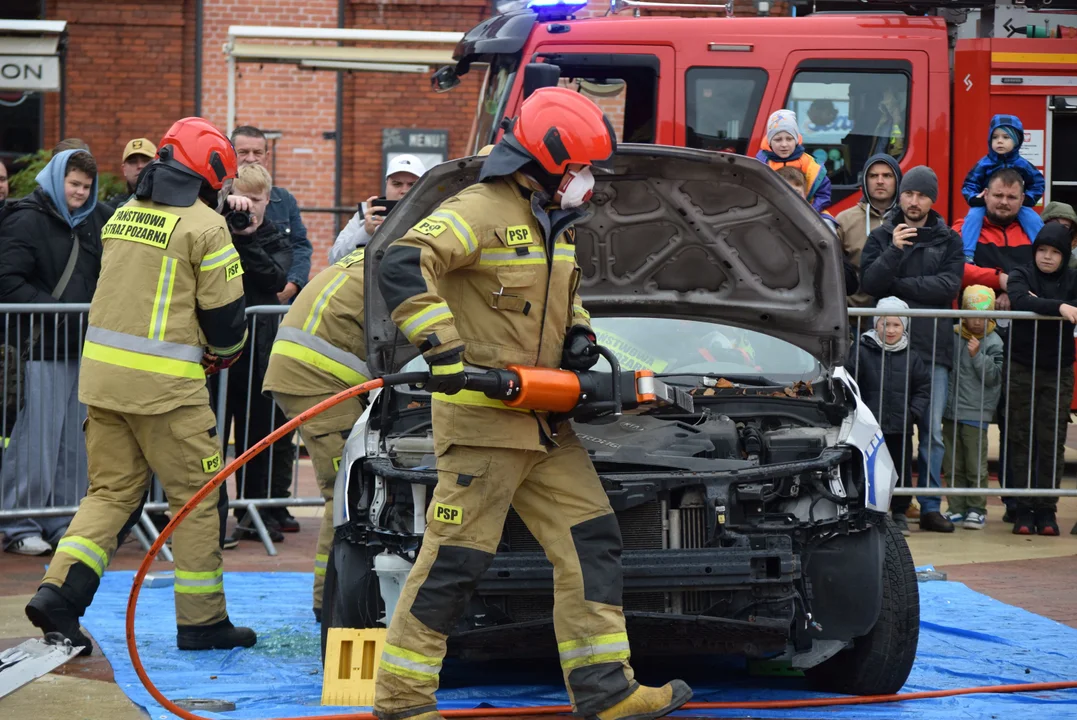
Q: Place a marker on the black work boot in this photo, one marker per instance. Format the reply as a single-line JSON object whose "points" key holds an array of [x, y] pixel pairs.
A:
{"points": [[49, 611], [936, 522], [221, 635]]}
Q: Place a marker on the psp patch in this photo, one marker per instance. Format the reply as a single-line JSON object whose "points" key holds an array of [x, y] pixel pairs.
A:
{"points": [[448, 513], [431, 227], [517, 235], [234, 270], [211, 464], [141, 225]]}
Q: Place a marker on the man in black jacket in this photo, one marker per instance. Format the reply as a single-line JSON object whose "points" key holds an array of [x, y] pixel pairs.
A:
{"points": [[266, 255], [1041, 375], [915, 256], [50, 253]]}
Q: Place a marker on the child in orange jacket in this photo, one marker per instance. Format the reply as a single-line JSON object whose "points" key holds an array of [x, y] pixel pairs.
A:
{"points": [[783, 146]]}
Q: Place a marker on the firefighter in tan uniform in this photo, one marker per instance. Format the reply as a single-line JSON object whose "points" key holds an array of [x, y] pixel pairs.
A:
{"points": [[490, 279], [169, 301], [319, 351]]}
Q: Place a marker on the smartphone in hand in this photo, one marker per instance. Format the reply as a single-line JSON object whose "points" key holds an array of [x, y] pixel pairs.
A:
{"points": [[380, 202]]}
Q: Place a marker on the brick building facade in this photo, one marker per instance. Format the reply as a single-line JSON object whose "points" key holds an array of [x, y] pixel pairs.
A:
{"points": [[132, 69]]}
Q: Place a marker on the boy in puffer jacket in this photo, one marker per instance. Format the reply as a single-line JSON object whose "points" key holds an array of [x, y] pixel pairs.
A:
{"points": [[1004, 139], [783, 146], [896, 386], [975, 388]]}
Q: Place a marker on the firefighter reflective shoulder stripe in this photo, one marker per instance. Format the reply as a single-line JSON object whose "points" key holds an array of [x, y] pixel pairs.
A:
{"points": [[166, 281], [199, 583], [312, 350], [564, 251], [511, 256], [86, 550], [517, 235], [593, 650], [314, 318], [211, 464], [409, 664], [219, 258], [139, 353], [355, 256], [459, 227], [141, 225], [321, 562], [424, 318]]}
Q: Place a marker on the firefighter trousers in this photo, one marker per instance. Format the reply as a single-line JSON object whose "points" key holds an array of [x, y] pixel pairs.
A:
{"points": [[324, 438], [560, 499], [124, 450]]}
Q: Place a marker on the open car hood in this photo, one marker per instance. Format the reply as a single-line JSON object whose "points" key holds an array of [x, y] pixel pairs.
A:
{"points": [[674, 233]]}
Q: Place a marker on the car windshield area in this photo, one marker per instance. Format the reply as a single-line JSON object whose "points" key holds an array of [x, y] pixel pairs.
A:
{"points": [[495, 93], [696, 348]]}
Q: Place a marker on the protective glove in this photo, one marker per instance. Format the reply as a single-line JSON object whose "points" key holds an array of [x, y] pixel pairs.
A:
{"points": [[580, 351], [447, 374], [213, 364]]}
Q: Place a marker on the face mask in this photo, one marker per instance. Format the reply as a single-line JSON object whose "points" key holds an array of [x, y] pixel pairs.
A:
{"points": [[576, 188]]}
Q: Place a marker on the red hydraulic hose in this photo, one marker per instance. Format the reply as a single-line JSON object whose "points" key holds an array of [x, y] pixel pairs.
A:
{"points": [[366, 387]]}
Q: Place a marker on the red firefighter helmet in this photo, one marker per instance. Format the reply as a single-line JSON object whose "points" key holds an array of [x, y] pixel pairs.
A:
{"points": [[200, 149], [559, 127]]}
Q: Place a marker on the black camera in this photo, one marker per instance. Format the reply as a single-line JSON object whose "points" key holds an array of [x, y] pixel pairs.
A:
{"points": [[238, 219]]}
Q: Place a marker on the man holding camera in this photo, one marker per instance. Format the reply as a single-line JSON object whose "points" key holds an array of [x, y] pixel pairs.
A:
{"points": [[401, 175], [915, 256], [266, 255]]}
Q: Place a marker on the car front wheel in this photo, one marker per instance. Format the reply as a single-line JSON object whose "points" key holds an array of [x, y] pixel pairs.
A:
{"points": [[879, 663], [350, 596]]}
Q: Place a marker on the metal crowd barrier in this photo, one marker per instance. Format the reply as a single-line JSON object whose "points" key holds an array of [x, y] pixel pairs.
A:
{"points": [[43, 471]]}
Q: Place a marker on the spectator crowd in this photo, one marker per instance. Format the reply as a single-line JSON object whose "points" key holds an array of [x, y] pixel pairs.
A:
{"points": [[947, 380]]}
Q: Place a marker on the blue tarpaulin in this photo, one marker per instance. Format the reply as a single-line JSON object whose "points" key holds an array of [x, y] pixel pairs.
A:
{"points": [[966, 639]]}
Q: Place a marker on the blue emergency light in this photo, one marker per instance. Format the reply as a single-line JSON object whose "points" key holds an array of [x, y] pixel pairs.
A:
{"points": [[556, 9]]}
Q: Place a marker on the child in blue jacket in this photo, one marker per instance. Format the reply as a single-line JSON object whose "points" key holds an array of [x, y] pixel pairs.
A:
{"points": [[1003, 151]]}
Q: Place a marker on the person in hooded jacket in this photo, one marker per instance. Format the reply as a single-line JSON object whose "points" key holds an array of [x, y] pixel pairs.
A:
{"points": [[1005, 136], [915, 256], [1041, 375], [783, 146], [50, 252], [895, 384], [880, 182]]}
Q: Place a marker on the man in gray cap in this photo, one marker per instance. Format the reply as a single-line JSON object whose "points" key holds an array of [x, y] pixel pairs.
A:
{"points": [[915, 256]]}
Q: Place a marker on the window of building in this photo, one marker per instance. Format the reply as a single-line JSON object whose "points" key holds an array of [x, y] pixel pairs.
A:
{"points": [[722, 105], [846, 115]]}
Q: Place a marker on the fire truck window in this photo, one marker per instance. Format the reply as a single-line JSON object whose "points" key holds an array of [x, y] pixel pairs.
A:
{"points": [[628, 96], [722, 104], [848, 116]]}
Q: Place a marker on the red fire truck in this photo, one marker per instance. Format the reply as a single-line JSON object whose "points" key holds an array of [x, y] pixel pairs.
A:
{"points": [[860, 82]]}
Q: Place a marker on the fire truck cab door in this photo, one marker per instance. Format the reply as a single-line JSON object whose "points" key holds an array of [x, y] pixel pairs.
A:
{"points": [[854, 103]]}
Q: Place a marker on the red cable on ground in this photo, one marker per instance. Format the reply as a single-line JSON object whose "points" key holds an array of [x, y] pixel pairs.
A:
{"points": [[366, 387]]}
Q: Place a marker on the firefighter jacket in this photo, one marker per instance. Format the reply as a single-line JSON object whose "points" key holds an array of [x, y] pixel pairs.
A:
{"points": [[171, 287], [493, 272], [320, 347]]}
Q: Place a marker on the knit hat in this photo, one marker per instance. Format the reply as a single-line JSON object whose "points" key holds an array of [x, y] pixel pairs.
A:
{"points": [[1056, 210], [978, 297], [892, 303], [782, 121], [923, 180], [1058, 237]]}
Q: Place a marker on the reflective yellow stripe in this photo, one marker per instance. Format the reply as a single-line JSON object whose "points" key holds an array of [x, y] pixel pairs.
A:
{"points": [[509, 256], [451, 369], [404, 672], [564, 251], [311, 357], [411, 661], [314, 319], [321, 561], [474, 398], [145, 363], [424, 319], [1018, 57], [199, 582], [86, 550], [166, 281], [593, 650], [579, 310], [460, 228], [226, 352], [220, 258]]}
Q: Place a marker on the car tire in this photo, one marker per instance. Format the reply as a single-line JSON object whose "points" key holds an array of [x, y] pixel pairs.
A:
{"points": [[879, 663], [350, 595]]}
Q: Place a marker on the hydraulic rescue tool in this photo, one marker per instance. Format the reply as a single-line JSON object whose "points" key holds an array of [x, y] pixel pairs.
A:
{"points": [[579, 395]]}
